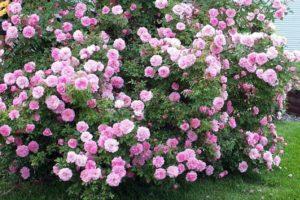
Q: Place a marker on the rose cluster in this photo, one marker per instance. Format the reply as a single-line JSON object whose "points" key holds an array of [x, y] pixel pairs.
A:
{"points": [[106, 97]]}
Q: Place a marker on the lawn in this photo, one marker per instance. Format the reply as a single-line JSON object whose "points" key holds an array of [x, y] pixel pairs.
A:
{"points": [[279, 184]]}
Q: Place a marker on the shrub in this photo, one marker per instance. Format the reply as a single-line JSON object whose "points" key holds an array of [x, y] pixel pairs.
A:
{"points": [[97, 94]]}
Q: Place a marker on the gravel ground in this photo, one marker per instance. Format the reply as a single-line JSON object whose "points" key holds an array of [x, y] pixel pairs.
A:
{"points": [[290, 118]]}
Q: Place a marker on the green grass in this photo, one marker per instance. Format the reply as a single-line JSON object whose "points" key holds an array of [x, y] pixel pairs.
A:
{"points": [[279, 184]]}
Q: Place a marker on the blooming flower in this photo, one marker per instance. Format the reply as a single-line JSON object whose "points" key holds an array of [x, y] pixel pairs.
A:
{"points": [[172, 171], [143, 133], [25, 172], [28, 32], [243, 166], [22, 151], [68, 115], [5, 130], [111, 145], [113, 180], [65, 174]]}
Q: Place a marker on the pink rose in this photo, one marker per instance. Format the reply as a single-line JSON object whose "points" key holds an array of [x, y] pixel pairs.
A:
{"points": [[22, 151], [68, 115], [158, 161], [243, 166], [28, 32], [161, 4], [164, 71], [25, 172], [160, 174], [65, 174], [33, 146], [5, 130], [113, 180], [143, 133], [172, 171], [191, 176]]}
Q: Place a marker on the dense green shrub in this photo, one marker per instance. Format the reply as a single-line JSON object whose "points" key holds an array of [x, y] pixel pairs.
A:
{"points": [[159, 91]]}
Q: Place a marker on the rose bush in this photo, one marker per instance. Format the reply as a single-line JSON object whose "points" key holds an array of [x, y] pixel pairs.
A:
{"points": [[100, 93]]}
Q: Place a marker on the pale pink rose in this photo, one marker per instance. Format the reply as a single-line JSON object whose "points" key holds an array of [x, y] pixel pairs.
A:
{"points": [[119, 44], [277, 161], [33, 146], [5, 130], [117, 82], [47, 132], [156, 60], [209, 170], [14, 8], [149, 72], [65, 53], [117, 10], [172, 171], [91, 147], [232, 122], [81, 160], [9, 78], [146, 96], [143, 133], [22, 82], [72, 143], [223, 174], [78, 36], [22, 151], [29, 67], [254, 154], [14, 114], [71, 157], [113, 54], [34, 105], [161, 4], [137, 105], [28, 32], [160, 174], [25, 172], [180, 26], [52, 102], [270, 77], [105, 10], [119, 170], [261, 58], [86, 136], [191, 176], [181, 156], [218, 103], [81, 83], [126, 126], [164, 71], [82, 126], [12, 32], [186, 61], [113, 180], [208, 31], [68, 115], [111, 145], [51, 81], [158, 161], [267, 156], [243, 166], [195, 123], [38, 92], [65, 174]]}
